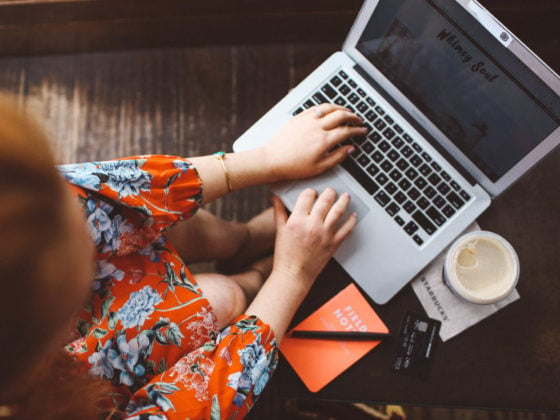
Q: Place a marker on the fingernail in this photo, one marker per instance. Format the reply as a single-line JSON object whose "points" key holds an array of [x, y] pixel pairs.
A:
{"points": [[354, 214], [364, 129], [351, 150], [347, 194]]}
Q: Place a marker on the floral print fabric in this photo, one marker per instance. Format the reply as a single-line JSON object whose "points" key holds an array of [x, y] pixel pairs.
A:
{"points": [[147, 328]]}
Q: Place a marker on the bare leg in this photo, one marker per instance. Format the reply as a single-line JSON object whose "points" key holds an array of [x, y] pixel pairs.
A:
{"points": [[230, 296], [206, 237]]}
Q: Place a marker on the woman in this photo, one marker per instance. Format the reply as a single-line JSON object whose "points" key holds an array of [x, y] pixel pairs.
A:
{"points": [[101, 254]]}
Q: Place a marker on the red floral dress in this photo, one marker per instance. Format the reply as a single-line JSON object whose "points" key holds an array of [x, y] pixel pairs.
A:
{"points": [[147, 328]]}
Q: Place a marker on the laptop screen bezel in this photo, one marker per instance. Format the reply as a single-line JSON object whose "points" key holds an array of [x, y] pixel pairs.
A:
{"points": [[518, 48]]}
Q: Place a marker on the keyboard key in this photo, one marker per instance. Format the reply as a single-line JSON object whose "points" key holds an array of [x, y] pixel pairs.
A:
{"points": [[379, 110], [395, 175], [392, 209], [352, 83], [371, 116], [336, 81], [319, 98], [361, 92], [308, 104], [360, 176], [386, 166], [370, 101], [373, 170], [436, 167], [420, 183], [417, 147], [375, 137], [393, 155], [416, 160], [402, 164], [343, 74], [454, 199], [448, 211], [297, 111], [353, 98], [407, 138], [411, 173], [465, 195], [439, 201], [382, 198], [400, 197], [359, 140], [345, 90], [430, 192], [364, 161], [356, 153], [443, 188], [340, 101], [406, 151], [445, 176], [398, 129], [424, 222], [377, 156], [329, 91], [399, 220], [426, 157], [413, 193], [362, 107], [404, 184], [423, 203], [411, 228], [409, 207], [418, 239], [380, 124], [397, 142], [384, 146], [389, 120], [391, 188], [425, 170], [368, 147], [434, 179], [388, 133], [381, 178], [438, 218], [455, 186]]}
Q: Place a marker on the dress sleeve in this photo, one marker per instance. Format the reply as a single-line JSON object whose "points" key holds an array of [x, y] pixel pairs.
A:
{"points": [[221, 379], [129, 202]]}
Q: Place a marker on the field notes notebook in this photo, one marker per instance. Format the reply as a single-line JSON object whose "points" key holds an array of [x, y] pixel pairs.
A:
{"points": [[316, 361]]}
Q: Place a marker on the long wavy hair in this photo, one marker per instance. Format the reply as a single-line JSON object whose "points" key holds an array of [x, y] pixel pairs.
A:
{"points": [[38, 380]]}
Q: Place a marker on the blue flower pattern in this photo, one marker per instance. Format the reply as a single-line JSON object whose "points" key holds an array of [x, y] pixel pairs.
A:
{"points": [[138, 307]]}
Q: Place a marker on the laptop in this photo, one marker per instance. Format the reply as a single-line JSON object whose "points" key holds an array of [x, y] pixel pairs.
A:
{"points": [[457, 108]]}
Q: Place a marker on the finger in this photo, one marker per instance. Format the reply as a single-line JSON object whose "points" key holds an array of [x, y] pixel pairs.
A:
{"points": [[323, 204], [339, 117], [280, 215], [320, 111], [339, 134], [337, 210], [346, 229], [304, 202], [337, 156]]}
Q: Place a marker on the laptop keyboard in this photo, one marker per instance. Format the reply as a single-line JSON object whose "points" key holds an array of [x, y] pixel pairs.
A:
{"points": [[401, 177]]}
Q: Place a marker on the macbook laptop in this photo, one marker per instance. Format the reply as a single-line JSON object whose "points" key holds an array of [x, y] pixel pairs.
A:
{"points": [[457, 108]]}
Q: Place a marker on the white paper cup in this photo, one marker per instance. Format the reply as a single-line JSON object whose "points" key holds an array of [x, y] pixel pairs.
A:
{"points": [[481, 267]]}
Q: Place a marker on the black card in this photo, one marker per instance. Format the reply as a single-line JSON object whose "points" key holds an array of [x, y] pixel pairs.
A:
{"points": [[416, 345]]}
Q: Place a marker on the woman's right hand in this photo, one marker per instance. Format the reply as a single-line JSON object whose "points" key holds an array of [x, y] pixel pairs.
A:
{"points": [[308, 238]]}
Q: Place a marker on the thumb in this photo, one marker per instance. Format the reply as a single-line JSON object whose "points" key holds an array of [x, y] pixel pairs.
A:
{"points": [[280, 215]]}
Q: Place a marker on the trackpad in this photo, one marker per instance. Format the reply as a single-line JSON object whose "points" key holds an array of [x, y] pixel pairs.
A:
{"points": [[320, 184]]}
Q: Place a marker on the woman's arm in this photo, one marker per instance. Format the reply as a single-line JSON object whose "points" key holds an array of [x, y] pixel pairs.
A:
{"points": [[303, 148], [305, 242]]}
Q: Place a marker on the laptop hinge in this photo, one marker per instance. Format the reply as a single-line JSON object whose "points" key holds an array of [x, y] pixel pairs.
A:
{"points": [[417, 126]]}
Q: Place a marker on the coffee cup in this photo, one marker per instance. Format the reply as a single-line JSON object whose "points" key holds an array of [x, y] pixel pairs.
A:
{"points": [[481, 267]]}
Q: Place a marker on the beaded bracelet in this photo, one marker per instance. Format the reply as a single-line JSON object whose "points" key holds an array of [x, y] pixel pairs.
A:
{"points": [[221, 156]]}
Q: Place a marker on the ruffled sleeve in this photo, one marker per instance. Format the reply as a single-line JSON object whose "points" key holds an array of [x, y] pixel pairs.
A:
{"points": [[129, 202], [221, 379]]}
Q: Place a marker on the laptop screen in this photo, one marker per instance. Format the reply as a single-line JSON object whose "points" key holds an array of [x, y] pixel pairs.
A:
{"points": [[480, 95]]}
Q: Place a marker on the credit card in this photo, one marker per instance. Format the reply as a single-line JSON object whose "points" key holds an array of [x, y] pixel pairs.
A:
{"points": [[416, 345]]}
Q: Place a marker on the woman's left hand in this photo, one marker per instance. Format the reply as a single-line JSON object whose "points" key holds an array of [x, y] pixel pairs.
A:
{"points": [[305, 146]]}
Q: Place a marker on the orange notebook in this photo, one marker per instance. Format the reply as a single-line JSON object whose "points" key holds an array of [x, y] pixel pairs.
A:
{"points": [[316, 361]]}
